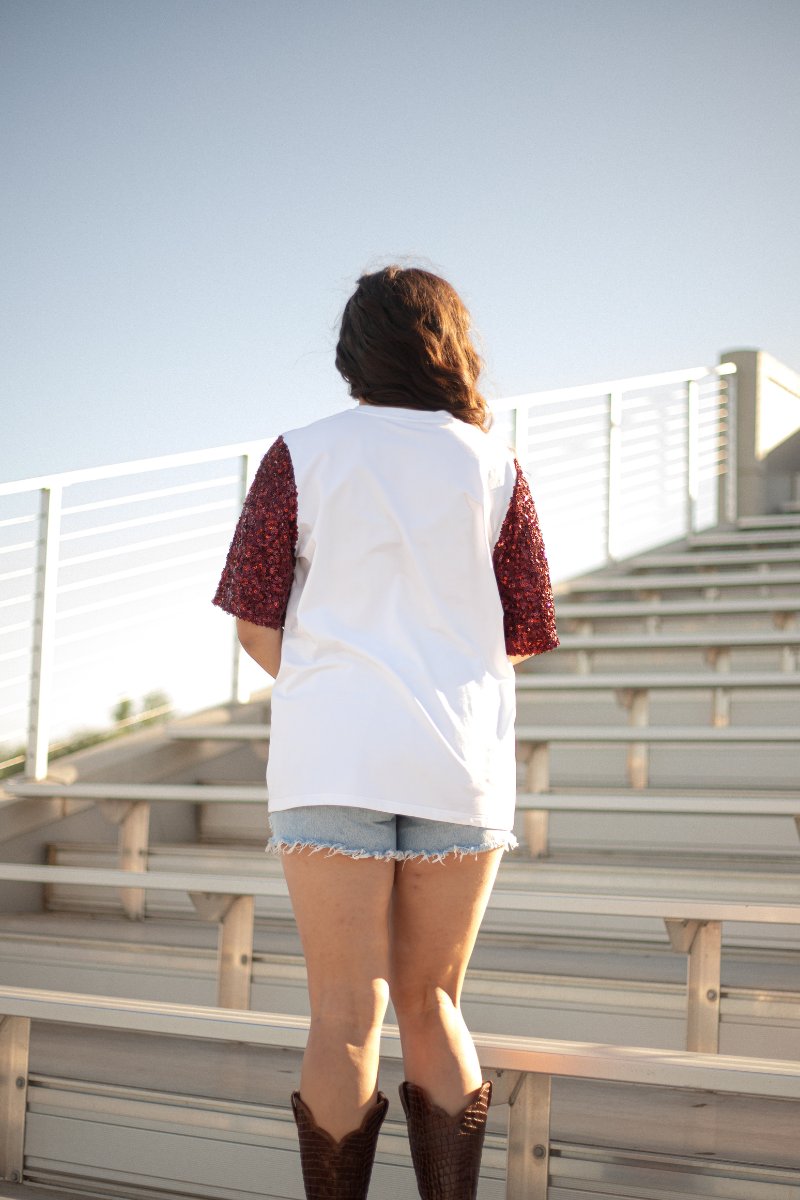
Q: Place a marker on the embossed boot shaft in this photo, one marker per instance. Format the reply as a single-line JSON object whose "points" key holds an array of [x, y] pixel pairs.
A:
{"points": [[337, 1170], [446, 1150]]}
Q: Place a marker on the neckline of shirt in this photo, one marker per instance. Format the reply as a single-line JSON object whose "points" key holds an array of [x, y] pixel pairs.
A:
{"points": [[439, 417]]}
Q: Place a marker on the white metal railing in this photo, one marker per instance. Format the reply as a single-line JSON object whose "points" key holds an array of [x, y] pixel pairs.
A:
{"points": [[92, 609], [134, 590], [622, 466]]}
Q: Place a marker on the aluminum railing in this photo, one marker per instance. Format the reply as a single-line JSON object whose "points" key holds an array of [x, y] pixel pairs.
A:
{"points": [[615, 468], [149, 583], [622, 466]]}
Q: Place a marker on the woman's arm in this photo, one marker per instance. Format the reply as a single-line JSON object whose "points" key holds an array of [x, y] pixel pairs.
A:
{"points": [[259, 570], [262, 644]]}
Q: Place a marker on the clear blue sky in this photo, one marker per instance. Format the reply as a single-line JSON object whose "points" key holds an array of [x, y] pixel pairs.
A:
{"points": [[190, 188]]}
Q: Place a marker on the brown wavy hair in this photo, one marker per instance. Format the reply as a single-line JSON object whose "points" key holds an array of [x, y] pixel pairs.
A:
{"points": [[405, 342]]}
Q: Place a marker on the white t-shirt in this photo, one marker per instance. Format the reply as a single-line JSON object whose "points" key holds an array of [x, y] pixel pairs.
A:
{"points": [[395, 692]]}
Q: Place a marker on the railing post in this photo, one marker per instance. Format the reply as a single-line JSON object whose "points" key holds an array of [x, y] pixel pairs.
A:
{"points": [[236, 954], [728, 501], [537, 822], [133, 818], [239, 692], [518, 447], [539, 768], [235, 915], [701, 941], [44, 622], [14, 1041], [584, 658], [702, 989], [637, 702], [133, 837], [614, 499], [719, 657], [787, 620], [692, 454], [528, 1163]]}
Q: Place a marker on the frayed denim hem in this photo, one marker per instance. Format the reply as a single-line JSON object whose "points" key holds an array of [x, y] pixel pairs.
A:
{"points": [[278, 846]]}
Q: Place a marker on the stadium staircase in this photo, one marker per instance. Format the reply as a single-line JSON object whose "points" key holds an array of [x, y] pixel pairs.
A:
{"points": [[653, 905]]}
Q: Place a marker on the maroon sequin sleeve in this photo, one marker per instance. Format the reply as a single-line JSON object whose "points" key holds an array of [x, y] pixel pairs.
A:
{"points": [[523, 579], [259, 571]]}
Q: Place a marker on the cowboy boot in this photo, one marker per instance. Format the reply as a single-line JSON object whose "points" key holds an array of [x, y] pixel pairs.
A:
{"points": [[337, 1170], [446, 1150]]}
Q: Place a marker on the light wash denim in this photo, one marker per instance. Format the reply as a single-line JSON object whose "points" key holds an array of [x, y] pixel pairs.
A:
{"points": [[365, 833]]}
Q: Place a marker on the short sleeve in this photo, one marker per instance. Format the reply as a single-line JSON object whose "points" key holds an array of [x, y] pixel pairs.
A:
{"points": [[259, 570], [523, 578]]}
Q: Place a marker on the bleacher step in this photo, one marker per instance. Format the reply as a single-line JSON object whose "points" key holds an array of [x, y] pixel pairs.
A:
{"points": [[119, 1114], [700, 580], [514, 875], [759, 1021], [514, 872], [195, 1147]]}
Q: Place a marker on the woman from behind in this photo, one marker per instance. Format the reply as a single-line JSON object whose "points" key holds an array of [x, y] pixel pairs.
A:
{"points": [[388, 570]]}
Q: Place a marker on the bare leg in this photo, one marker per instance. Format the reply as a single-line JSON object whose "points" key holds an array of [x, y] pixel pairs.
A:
{"points": [[437, 909], [342, 910]]}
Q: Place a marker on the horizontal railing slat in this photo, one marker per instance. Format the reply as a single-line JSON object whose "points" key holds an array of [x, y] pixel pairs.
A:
{"points": [[149, 519], [163, 564], [591, 390], [137, 467], [139, 497]]}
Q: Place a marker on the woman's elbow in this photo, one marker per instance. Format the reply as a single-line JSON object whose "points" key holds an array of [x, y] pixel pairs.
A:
{"points": [[262, 644], [248, 634]]}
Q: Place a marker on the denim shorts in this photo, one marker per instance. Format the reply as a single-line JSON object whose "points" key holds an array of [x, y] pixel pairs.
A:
{"points": [[365, 833]]}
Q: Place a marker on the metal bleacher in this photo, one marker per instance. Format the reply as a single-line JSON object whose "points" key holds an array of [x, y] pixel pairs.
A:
{"points": [[584, 941], [635, 990]]}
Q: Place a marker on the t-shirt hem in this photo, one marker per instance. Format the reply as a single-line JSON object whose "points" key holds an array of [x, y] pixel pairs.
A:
{"points": [[400, 808]]}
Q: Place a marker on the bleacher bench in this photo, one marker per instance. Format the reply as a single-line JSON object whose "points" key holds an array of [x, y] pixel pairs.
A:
{"points": [[520, 1069]]}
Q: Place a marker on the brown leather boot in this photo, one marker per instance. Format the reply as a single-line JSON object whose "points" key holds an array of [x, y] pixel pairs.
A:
{"points": [[337, 1170], [446, 1150]]}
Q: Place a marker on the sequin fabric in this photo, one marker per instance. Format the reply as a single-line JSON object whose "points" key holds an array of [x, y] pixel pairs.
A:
{"points": [[520, 567], [259, 570]]}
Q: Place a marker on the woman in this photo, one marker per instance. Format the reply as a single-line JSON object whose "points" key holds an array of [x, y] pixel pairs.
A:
{"points": [[388, 569]]}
